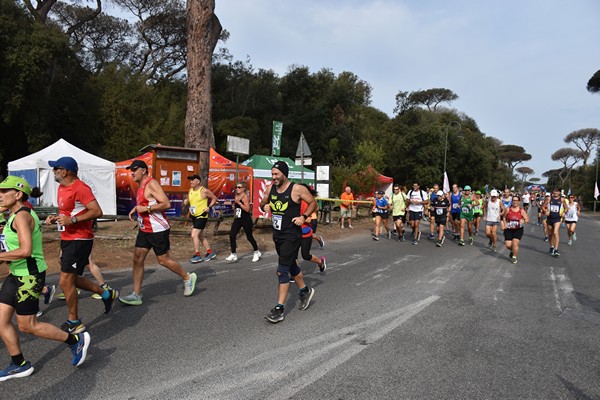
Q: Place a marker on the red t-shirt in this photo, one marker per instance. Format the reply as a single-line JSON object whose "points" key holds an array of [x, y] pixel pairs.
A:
{"points": [[72, 200]]}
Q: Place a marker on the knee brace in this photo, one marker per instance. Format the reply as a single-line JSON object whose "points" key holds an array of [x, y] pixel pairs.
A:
{"points": [[295, 269], [283, 274]]}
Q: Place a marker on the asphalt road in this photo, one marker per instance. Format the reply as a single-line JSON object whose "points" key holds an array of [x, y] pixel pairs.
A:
{"points": [[389, 320]]}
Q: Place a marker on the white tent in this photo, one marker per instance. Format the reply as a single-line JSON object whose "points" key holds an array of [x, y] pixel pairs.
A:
{"points": [[97, 172]]}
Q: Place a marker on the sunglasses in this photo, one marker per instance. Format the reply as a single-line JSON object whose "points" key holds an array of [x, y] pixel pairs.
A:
{"points": [[239, 187], [516, 200]]}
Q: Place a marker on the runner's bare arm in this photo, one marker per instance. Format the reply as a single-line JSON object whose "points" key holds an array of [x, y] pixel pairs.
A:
{"points": [[155, 190], [264, 202], [23, 223], [93, 211]]}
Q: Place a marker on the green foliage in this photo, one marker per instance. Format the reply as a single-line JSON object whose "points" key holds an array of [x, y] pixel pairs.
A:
{"points": [[593, 85]]}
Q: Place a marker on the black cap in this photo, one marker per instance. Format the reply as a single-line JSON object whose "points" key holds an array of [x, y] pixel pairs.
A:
{"points": [[283, 167], [138, 164], [195, 176]]}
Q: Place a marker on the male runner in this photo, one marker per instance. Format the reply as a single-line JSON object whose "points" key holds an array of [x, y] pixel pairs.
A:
{"points": [[466, 215], [198, 198], [283, 199], [455, 196], [492, 215], [418, 201], [77, 207], [398, 204], [440, 206], [432, 224], [153, 233]]}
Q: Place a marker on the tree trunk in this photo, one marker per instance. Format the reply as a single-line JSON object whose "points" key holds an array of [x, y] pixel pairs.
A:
{"points": [[204, 29]]}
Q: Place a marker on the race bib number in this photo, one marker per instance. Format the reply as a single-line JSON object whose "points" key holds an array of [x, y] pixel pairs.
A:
{"points": [[141, 222], [513, 224], [465, 210], [477, 208], [192, 210], [570, 215], [439, 211], [3, 246], [238, 213], [59, 227], [455, 206], [277, 219], [554, 208]]}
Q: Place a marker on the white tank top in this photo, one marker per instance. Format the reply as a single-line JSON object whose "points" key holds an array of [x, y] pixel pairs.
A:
{"points": [[571, 214], [493, 211]]}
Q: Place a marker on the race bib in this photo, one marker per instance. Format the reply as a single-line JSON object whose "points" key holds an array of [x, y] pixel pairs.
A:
{"points": [[141, 222], [513, 224], [477, 208], [192, 210], [3, 246], [439, 211], [277, 219], [554, 208], [59, 227], [238, 213], [570, 215], [455, 206], [465, 210]]}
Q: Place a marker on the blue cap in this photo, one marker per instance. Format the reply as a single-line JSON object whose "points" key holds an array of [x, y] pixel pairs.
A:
{"points": [[67, 163]]}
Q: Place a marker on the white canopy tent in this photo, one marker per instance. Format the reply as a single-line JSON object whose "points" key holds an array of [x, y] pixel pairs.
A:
{"points": [[97, 172]]}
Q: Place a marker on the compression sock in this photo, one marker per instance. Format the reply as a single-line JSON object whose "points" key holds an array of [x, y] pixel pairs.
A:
{"points": [[72, 339], [18, 359]]}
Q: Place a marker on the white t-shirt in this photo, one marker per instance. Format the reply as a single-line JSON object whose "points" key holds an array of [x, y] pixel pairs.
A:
{"points": [[526, 198], [493, 211], [414, 195]]}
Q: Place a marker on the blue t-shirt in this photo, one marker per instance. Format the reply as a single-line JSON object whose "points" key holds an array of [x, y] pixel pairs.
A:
{"points": [[380, 205]]}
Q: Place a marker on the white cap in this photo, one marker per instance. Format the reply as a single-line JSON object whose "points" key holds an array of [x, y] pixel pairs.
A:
{"points": [[494, 193], [440, 193]]}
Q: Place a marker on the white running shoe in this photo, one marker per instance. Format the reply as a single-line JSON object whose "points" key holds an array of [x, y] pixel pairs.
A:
{"points": [[256, 256], [232, 257]]}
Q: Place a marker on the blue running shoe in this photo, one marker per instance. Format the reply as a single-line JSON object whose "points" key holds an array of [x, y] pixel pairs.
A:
{"points": [[196, 259], [49, 295], [209, 256], [14, 371], [80, 349]]}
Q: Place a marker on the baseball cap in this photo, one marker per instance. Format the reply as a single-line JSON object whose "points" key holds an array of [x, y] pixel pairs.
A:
{"points": [[467, 187], [138, 164], [478, 192], [494, 193], [67, 163], [195, 176], [283, 167], [379, 192], [17, 183], [440, 193]]}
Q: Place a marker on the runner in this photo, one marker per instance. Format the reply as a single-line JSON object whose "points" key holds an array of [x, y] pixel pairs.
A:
{"points": [[22, 249], [398, 205], [153, 233], [283, 201], [380, 214], [477, 210], [552, 207], [197, 199], [77, 207], [514, 219], [346, 207], [526, 200], [492, 214], [418, 200], [241, 219], [506, 198], [307, 236], [431, 211], [455, 196], [466, 215], [440, 206], [571, 218]]}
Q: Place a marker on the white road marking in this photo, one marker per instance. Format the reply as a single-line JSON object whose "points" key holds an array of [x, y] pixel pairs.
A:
{"points": [[563, 290]]}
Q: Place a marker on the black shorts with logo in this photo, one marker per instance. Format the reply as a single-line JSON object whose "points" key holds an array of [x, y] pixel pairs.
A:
{"points": [[23, 292], [75, 255], [157, 241]]}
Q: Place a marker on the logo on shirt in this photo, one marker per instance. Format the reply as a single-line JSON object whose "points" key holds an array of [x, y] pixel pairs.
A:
{"points": [[279, 206]]}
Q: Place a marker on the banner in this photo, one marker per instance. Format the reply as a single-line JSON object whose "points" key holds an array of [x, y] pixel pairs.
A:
{"points": [[446, 183], [257, 196], [277, 132], [596, 192]]}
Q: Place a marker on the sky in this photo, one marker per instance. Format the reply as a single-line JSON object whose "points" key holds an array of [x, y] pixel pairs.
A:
{"points": [[520, 68]]}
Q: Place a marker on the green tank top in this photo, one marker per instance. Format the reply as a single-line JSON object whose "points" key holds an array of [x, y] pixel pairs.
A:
{"points": [[466, 206], [33, 264], [478, 208]]}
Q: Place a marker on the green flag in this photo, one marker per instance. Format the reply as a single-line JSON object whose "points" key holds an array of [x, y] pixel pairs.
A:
{"points": [[277, 131]]}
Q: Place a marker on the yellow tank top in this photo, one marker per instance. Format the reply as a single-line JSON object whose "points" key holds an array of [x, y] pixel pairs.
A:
{"points": [[197, 203]]}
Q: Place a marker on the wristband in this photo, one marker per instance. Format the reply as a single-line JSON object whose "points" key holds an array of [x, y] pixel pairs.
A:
{"points": [[305, 217], [149, 208]]}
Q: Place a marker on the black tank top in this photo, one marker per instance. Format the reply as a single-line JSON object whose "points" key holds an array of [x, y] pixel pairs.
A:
{"points": [[284, 209], [554, 208], [239, 212]]}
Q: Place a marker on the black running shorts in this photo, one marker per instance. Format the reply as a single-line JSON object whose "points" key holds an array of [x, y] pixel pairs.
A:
{"points": [[157, 241], [23, 292], [75, 255]]}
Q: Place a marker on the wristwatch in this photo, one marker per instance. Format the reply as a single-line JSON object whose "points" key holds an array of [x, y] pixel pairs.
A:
{"points": [[74, 220], [305, 216]]}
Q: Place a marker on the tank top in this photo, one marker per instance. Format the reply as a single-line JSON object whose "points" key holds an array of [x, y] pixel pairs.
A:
{"points": [[466, 206], [493, 211], [554, 208], [239, 212], [197, 203], [155, 221], [513, 219], [478, 208], [33, 264], [571, 214], [506, 202], [455, 201], [283, 209]]}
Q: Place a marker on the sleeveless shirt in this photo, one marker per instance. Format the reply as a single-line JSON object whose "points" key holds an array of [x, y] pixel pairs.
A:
{"points": [[283, 209], [155, 221], [34, 264]]}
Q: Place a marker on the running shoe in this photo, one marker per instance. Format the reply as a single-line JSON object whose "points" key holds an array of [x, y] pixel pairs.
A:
{"points": [[39, 314], [189, 285], [402, 238], [545, 238], [320, 241], [415, 242], [111, 302], [98, 296], [196, 259], [323, 265], [574, 236], [375, 237], [419, 236], [443, 239], [438, 243], [513, 260], [305, 298], [275, 315], [461, 242], [292, 280], [551, 250], [350, 227], [570, 242], [16, 371], [389, 235], [209, 256], [49, 295], [133, 299], [471, 240], [490, 243], [256, 256], [431, 236], [555, 253], [476, 233], [341, 227], [80, 349], [510, 255], [232, 257], [73, 327]]}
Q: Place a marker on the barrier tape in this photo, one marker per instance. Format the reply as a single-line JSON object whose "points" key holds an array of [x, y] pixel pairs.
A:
{"points": [[345, 201]]}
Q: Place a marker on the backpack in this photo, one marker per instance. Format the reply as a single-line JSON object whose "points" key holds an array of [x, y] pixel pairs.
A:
{"points": [[420, 192]]}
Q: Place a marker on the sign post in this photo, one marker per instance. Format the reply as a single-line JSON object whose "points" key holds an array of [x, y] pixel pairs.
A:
{"points": [[237, 146], [277, 132], [302, 151]]}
